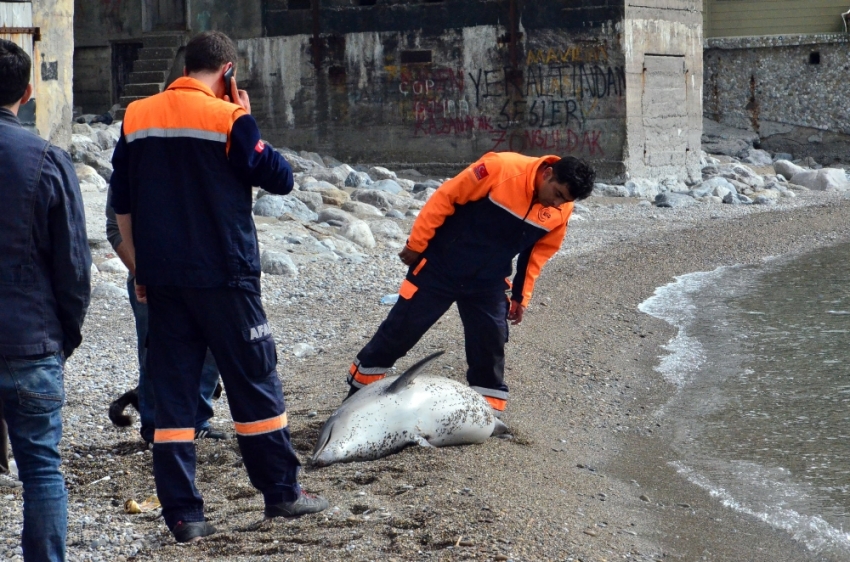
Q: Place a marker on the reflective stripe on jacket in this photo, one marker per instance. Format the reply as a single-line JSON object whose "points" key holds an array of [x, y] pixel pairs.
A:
{"points": [[476, 223]]}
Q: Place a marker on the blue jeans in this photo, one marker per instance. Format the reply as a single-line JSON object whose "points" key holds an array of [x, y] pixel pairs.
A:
{"points": [[32, 391], [147, 402]]}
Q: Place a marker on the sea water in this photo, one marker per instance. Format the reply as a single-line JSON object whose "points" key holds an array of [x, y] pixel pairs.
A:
{"points": [[762, 411]]}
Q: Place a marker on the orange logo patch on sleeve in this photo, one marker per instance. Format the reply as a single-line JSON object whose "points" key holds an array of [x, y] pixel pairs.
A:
{"points": [[480, 171], [260, 146]]}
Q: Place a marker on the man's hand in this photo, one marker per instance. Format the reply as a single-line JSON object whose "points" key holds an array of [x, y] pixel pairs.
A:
{"points": [[237, 96], [515, 313], [141, 293], [408, 256]]}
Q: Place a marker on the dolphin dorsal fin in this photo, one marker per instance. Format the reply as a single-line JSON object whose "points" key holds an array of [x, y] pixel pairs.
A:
{"points": [[410, 374]]}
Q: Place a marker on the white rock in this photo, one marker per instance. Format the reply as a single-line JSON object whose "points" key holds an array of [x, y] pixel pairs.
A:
{"points": [[114, 265], [303, 350], [787, 169], [278, 263], [358, 232], [89, 179], [359, 208], [387, 229], [378, 173], [825, 179]]}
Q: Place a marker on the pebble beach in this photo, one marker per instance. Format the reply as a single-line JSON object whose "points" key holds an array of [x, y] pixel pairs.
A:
{"points": [[586, 473]]}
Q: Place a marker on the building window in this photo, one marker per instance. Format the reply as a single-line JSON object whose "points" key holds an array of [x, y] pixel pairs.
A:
{"points": [[814, 57], [367, 2], [414, 57], [299, 4]]}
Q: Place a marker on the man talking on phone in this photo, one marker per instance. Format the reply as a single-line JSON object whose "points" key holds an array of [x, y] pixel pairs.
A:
{"points": [[181, 191]]}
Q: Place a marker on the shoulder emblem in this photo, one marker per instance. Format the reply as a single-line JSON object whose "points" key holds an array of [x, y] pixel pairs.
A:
{"points": [[480, 171], [260, 146], [544, 214]]}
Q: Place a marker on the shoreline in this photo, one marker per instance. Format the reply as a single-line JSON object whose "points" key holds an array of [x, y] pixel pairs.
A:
{"points": [[584, 394]]}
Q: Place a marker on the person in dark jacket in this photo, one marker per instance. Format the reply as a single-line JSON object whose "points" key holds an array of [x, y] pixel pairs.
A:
{"points": [[181, 190], [45, 273], [461, 249]]}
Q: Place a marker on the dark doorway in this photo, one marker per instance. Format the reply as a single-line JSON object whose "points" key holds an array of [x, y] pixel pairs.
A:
{"points": [[123, 57], [164, 15]]}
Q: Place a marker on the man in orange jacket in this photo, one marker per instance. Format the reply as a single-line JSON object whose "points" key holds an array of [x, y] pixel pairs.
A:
{"points": [[461, 250]]}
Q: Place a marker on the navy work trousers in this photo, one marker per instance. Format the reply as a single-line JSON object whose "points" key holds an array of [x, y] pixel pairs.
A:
{"points": [[485, 328], [183, 323]]}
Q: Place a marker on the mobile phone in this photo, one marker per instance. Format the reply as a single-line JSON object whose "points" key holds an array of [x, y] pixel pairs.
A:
{"points": [[228, 75]]}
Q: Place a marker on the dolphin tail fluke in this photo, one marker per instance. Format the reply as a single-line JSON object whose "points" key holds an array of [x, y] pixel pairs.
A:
{"points": [[411, 373], [500, 429]]}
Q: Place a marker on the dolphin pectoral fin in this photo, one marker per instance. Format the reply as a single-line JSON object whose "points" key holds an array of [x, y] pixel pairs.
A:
{"points": [[422, 442], [324, 439], [500, 429]]}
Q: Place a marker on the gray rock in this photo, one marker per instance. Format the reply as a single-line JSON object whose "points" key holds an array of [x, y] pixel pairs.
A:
{"points": [[643, 188], [312, 199], [80, 144], [388, 185], [109, 291], [278, 263], [303, 349], [299, 164], [277, 205], [331, 162], [758, 157], [360, 208], [605, 190], [335, 177], [737, 199], [424, 195], [394, 214], [406, 185], [106, 137], [101, 162], [782, 156], [763, 200], [743, 174], [379, 173], [712, 187], [427, 184], [318, 186], [410, 173], [387, 229], [722, 139], [312, 156], [334, 214], [381, 199], [674, 200]]}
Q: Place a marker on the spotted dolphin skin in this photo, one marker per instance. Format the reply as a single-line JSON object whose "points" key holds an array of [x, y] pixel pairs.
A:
{"points": [[395, 412]]}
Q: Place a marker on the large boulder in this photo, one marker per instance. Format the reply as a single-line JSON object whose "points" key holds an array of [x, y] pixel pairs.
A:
{"points": [[643, 188], [90, 180], [100, 161], [388, 185], [381, 199], [332, 214], [722, 139], [299, 164], [605, 190], [715, 186], [312, 199]]}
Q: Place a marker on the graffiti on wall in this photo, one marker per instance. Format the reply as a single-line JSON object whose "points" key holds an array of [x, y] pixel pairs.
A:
{"points": [[546, 106]]}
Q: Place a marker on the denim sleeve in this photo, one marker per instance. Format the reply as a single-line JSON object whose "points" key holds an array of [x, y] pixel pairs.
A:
{"points": [[120, 180], [112, 232], [255, 161], [71, 258]]}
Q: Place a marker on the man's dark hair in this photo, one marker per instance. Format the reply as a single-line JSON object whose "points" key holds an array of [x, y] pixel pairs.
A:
{"points": [[578, 174], [208, 51], [15, 68]]}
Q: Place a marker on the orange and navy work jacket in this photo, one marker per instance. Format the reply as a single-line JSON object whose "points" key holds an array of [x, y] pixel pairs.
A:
{"points": [[476, 223], [183, 169]]}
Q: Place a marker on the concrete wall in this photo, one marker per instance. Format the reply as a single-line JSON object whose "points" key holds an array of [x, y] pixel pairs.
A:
{"points": [[410, 87], [53, 66], [664, 77], [791, 90], [737, 18]]}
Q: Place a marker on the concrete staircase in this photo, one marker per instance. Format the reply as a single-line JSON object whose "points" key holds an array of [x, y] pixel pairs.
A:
{"points": [[153, 68]]}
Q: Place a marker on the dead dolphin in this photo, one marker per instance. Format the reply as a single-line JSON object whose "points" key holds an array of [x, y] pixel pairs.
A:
{"points": [[395, 412]]}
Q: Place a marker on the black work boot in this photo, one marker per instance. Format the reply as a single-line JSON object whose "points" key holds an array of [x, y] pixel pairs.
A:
{"points": [[192, 531], [304, 505]]}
